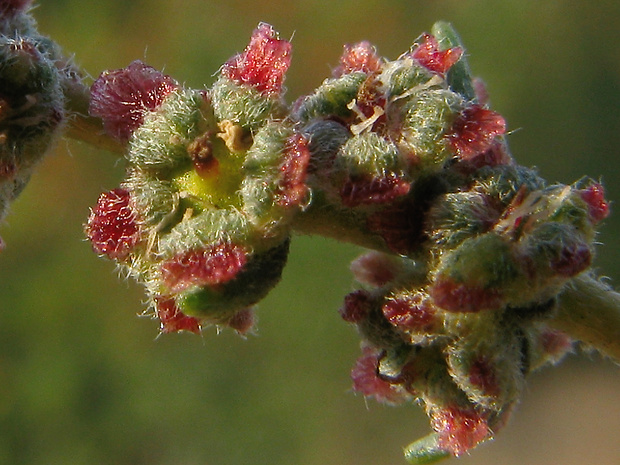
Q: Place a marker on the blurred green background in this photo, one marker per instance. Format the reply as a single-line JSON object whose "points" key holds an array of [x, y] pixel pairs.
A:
{"points": [[83, 380]]}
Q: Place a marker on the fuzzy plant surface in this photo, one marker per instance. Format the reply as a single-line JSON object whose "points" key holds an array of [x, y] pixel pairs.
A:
{"points": [[477, 271]]}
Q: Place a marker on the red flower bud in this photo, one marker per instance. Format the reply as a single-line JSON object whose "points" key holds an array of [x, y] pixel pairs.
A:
{"points": [[375, 268], [412, 311], [112, 228], [366, 379], [429, 55], [215, 264], [594, 197], [263, 63], [474, 131], [359, 57], [459, 429], [11, 7], [122, 97], [461, 297], [356, 306], [292, 189], [364, 190], [173, 320]]}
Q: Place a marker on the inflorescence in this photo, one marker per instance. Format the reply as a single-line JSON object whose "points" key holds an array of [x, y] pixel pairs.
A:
{"points": [[470, 250]]}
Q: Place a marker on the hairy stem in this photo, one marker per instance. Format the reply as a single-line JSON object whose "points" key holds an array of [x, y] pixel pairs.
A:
{"points": [[83, 127], [589, 311], [323, 219]]}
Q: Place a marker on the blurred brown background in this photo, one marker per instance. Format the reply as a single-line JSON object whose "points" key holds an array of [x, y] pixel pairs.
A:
{"points": [[83, 380]]}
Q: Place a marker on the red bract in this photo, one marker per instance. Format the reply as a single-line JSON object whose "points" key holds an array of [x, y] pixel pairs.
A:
{"points": [[555, 343], [414, 312], [594, 197], [482, 375], [358, 57], [366, 380], [400, 225], [368, 191], [215, 264], [429, 55], [173, 320], [459, 429], [8, 169], [374, 268], [11, 7], [112, 227], [263, 63], [122, 97], [460, 297], [243, 321], [572, 259], [357, 306], [474, 131], [292, 189]]}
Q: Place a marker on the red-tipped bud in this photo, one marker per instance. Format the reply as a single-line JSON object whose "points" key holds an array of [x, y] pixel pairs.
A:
{"points": [[594, 197], [122, 97], [571, 259], [292, 189], [363, 190], [375, 268], [215, 264], [243, 321], [173, 320], [366, 379], [483, 376], [9, 8], [433, 59], [459, 429], [414, 312], [555, 344], [263, 63], [474, 131], [357, 306], [359, 57], [460, 297], [112, 228]]}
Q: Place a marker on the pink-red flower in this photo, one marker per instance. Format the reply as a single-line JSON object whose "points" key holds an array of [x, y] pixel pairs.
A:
{"points": [[11, 7], [367, 382], [292, 188], [432, 58], [112, 227], [459, 429], [122, 97], [215, 264], [264, 62], [474, 131], [359, 57], [173, 320], [594, 197]]}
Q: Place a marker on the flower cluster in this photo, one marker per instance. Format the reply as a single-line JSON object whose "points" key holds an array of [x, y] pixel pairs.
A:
{"points": [[457, 320], [33, 79], [404, 157], [214, 178]]}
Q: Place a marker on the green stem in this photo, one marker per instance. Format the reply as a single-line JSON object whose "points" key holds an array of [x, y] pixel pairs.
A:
{"points": [[589, 311], [81, 126], [324, 219], [425, 450]]}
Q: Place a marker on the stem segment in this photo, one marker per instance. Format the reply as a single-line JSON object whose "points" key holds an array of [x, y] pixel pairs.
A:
{"points": [[589, 311], [81, 126]]}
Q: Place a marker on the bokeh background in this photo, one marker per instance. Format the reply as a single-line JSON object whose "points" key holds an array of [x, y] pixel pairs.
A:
{"points": [[84, 380]]}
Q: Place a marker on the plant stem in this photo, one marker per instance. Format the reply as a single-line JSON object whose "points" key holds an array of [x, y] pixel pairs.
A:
{"points": [[589, 311], [425, 451], [322, 218], [81, 126]]}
